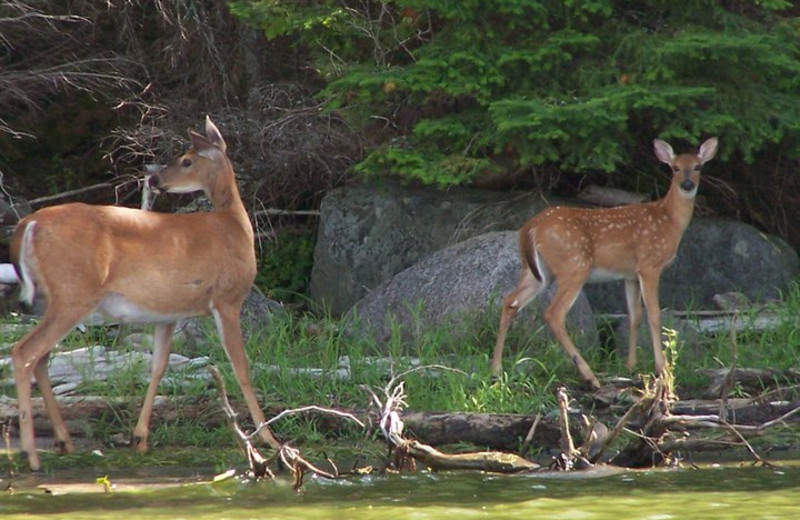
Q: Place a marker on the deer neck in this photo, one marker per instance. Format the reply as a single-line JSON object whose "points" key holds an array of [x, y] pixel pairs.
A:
{"points": [[224, 196], [678, 206]]}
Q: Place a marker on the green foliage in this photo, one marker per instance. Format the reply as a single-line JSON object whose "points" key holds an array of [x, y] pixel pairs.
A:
{"points": [[468, 88], [284, 266]]}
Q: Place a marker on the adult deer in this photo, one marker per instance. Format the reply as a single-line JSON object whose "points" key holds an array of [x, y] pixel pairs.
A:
{"points": [[573, 246], [137, 266]]}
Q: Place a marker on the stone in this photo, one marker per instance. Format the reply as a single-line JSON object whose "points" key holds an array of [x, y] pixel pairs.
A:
{"points": [[369, 233], [458, 287]]}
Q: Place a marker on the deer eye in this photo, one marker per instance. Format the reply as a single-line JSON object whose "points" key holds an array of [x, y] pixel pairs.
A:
{"points": [[186, 163], [697, 167], [676, 169]]}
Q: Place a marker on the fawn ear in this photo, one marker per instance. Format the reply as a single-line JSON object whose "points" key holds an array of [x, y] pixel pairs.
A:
{"points": [[663, 151], [708, 150]]}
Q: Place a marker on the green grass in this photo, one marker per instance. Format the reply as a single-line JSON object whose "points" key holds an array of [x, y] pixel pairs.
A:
{"points": [[534, 369]]}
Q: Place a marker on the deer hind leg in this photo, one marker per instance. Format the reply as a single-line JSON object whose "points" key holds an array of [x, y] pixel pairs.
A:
{"points": [[162, 345], [649, 284], [230, 332], [633, 296], [528, 287], [29, 357], [556, 317], [63, 442]]}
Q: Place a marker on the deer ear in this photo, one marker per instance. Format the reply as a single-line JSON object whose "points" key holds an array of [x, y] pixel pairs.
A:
{"points": [[214, 135], [708, 150], [199, 142], [663, 151], [203, 146]]}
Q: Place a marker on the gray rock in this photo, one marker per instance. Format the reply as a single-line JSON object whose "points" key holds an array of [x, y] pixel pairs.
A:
{"points": [[258, 310], [369, 233], [458, 286]]}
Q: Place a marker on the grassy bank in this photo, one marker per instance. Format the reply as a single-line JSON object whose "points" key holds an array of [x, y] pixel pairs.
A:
{"points": [[344, 363]]}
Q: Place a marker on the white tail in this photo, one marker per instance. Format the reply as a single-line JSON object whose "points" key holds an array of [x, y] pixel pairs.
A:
{"points": [[137, 266], [573, 246]]}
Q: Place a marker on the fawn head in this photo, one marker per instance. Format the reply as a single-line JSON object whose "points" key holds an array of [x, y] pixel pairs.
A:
{"points": [[686, 167]]}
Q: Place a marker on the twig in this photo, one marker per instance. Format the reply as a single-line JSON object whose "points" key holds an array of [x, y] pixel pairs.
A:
{"points": [[618, 428], [567, 446], [728, 382], [748, 446], [780, 419], [288, 455], [531, 432], [569, 458], [284, 413], [41, 201]]}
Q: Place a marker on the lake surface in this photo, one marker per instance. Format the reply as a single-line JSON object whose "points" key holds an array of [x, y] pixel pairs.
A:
{"points": [[724, 492]]}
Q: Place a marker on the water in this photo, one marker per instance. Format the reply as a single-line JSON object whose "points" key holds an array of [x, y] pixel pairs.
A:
{"points": [[728, 492]]}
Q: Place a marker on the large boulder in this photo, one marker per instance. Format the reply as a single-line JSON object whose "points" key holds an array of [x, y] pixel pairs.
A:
{"points": [[715, 256], [369, 233], [457, 286]]}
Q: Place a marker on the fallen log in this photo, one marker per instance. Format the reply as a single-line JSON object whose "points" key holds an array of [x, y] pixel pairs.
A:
{"points": [[501, 431], [738, 411], [750, 378], [494, 431]]}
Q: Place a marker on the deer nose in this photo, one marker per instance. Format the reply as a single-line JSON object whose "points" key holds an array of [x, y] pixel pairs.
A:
{"points": [[686, 185]]}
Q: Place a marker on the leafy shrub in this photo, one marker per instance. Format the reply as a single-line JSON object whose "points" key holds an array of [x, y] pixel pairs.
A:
{"points": [[284, 266], [455, 92]]}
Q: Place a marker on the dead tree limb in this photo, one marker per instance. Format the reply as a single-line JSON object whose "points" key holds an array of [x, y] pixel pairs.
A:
{"points": [[391, 426], [288, 455]]}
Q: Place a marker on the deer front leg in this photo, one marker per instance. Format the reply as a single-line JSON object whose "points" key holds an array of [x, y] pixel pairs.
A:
{"points": [[633, 297], [649, 285], [230, 332], [162, 345]]}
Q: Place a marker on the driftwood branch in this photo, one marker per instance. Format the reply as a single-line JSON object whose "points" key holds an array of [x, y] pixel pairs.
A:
{"points": [[407, 451], [101, 191], [288, 455]]}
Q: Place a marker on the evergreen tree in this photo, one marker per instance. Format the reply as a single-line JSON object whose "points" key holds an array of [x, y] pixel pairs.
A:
{"points": [[458, 91]]}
